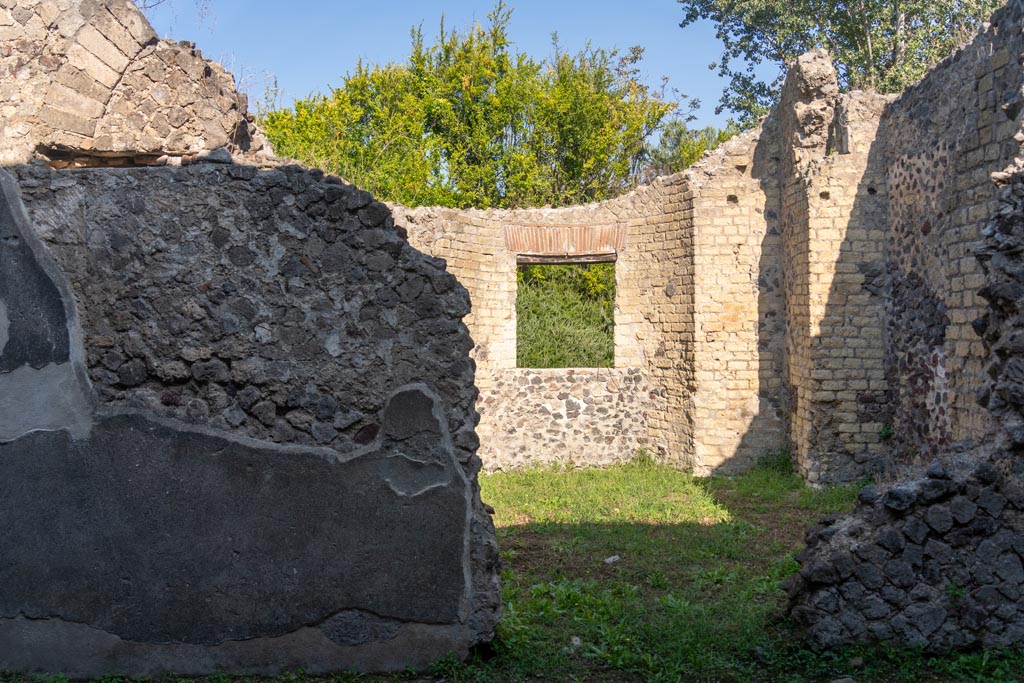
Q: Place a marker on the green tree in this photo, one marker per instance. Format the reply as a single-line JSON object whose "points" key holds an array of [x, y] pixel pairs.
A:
{"points": [[467, 121], [681, 146], [884, 45]]}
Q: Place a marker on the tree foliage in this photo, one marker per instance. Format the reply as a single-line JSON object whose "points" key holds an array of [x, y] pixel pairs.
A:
{"points": [[467, 121], [565, 316], [681, 146], [884, 45]]}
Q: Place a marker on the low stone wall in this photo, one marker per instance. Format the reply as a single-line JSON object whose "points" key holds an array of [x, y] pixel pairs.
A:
{"points": [[567, 417], [933, 563]]}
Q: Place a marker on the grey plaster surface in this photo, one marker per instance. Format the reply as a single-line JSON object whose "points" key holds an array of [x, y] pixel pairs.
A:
{"points": [[35, 645], [50, 398], [36, 327], [138, 544], [5, 326], [42, 381], [156, 534]]}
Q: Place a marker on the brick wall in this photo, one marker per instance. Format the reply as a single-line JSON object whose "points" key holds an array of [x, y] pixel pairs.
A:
{"points": [[698, 320], [809, 283], [949, 133], [738, 400], [650, 326], [834, 232]]}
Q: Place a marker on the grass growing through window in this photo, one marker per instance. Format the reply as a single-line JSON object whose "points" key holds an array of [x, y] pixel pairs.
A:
{"points": [[566, 316]]}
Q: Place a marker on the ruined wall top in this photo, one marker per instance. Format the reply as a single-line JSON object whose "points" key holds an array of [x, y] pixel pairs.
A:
{"points": [[89, 80]]}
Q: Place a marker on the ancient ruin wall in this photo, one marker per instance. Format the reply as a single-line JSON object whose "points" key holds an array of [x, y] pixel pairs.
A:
{"points": [[936, 562], [833, 224], [278, 467], [581, 416], [238, 322], [949, 133], [698, 322], [88, 80], [236, 402], [176, 281], [739, 316]]}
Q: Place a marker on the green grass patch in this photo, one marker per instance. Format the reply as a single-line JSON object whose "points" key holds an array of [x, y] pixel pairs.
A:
{"points": [[695, 592]]}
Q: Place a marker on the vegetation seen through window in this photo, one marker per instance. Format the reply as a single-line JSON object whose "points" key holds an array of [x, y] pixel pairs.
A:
{"points": [[566, 316]]}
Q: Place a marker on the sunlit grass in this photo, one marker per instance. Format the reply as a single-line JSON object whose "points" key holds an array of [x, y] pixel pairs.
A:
{"points": [[633, 493]]}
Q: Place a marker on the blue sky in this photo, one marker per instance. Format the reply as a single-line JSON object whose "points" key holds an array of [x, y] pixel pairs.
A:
{"points": [[308, 45]]}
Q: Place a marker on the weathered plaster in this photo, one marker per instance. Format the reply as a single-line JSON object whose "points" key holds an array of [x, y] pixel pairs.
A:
{"points": [[201, 547], [5, 325]]}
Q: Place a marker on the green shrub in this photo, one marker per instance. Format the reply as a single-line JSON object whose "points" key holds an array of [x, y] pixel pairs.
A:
{"points": [[566, 316]]}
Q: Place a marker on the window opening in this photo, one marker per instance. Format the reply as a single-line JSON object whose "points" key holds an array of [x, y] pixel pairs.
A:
{"points": [[565, 315]]}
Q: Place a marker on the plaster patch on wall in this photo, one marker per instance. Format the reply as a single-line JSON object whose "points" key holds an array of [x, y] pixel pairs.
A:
{"points": [[5, 326], [47, 399]]}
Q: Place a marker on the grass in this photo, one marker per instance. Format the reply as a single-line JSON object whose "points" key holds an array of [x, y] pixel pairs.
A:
{"points": [[694, 594], [642, 573]]}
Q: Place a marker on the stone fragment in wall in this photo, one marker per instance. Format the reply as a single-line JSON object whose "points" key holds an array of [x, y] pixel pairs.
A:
{"points": [[103, 89]]}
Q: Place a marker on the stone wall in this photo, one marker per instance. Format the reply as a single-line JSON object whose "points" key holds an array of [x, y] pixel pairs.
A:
{"points": [[650, 337], [235, 401], [955, 128], [698, 320], [882, 199], [936, 561], [834, 232], [933, 563], [263, 453], [89, 80], [567, 417], [739, 316], [811, 314], [818, 287]]}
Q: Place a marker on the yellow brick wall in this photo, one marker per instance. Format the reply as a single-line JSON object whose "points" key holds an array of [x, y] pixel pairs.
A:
{"points": [[834, 228], [698, 312], [653, 325], [739, 306], [810, 284]]}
